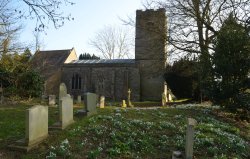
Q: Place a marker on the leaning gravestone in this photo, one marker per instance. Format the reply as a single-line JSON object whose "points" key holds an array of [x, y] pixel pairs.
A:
{"points": [[36, 129], [62, 90], [65, 113], [190, 138], [52, 99], [90, 101], [102, 101]]}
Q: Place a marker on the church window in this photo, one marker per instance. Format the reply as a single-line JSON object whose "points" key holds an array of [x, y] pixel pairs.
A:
{"points": [[76, 81]]}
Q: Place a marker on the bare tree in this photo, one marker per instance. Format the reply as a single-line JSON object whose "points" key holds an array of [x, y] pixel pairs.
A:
{"points": [[44, 11], [113, 42], [193, 24], [9, 29], [12, 12], [38, 41]]}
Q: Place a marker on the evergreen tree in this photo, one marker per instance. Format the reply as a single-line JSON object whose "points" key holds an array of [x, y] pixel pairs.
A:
{"points": [[81, 57], [26, 55], [231, 63], [87, 56]]}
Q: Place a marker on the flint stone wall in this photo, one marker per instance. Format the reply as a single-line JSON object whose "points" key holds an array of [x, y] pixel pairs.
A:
{"points": [[111, 81]]}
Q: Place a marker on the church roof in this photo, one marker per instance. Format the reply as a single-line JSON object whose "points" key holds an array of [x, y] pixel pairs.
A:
{"points": [[105, 61], [51, 57], [49, 62]]}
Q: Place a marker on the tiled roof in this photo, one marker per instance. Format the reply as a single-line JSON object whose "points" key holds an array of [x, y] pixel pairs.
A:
{"points": [[48, 62], [51, 57]]}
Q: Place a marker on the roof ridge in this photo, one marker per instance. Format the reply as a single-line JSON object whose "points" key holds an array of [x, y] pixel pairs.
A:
{"points": [[103, 59], [54, 50]]}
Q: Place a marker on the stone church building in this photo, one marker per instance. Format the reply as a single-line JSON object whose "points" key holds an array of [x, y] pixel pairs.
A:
{"points": [[113, 77]]}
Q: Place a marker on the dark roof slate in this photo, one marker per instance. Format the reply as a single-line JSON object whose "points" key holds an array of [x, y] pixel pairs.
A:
{"points": [[51, 57], [104, 61]]}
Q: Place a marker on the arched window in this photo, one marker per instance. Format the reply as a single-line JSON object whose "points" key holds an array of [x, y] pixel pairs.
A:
{"points": [[76, 82]]}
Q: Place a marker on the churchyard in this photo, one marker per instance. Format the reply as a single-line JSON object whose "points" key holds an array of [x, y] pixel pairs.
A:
{"points": [[138, 132], [198, 50]]}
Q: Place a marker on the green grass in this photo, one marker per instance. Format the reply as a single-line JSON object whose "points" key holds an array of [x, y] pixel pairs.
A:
{"points": [[129, 133], [11, 123]]}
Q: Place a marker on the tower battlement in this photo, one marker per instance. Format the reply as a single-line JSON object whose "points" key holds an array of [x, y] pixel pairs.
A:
{"points": [[160, 10]]}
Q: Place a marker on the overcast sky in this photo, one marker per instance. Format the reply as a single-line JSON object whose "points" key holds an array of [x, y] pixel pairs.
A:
{"points": [[90, 16]]}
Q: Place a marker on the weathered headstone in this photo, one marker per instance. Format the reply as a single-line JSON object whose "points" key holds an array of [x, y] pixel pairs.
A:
{"points": [[65, 113], [79, 99], [176, 155], [62, 90], [124, 105], [170, 98], [129, 98], [43, 99], [163, 99], [102, 101], [36, 129], [52, 99], [2, 99], [190, 138], [90, 101]]}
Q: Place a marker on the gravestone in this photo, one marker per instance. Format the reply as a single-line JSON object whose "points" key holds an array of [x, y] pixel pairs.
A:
{"points": [[52, 99], [177, 155], [170, 98], [124, 105], [190, 138], [90, 101], [62, 90], [65, 113], [2, 99], [129, 98], [36, 128], [163, 99], [102, 101], [79, 99], [44, 99]]}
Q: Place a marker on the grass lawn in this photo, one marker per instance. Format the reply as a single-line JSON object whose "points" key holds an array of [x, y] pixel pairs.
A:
{"points": [[130, 133]]}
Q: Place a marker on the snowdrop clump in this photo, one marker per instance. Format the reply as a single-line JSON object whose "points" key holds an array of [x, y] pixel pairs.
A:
{"points": [[62, 150]]}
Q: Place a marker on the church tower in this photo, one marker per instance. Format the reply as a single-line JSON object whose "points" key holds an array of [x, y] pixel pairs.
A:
{"points": [[150, 52]]}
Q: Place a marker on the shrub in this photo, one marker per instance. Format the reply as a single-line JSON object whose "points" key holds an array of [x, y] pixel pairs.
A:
{"points": [[182, 78]]}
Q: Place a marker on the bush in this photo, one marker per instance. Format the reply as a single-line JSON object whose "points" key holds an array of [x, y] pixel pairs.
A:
{"points": [[17, 78], [30, 84], [182, 78]]}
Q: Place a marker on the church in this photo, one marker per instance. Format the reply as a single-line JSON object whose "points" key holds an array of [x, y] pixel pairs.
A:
{"points": [[113, 77]]}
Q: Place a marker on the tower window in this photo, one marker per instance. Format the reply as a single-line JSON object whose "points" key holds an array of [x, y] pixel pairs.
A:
{"points": [[76, 81]]}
